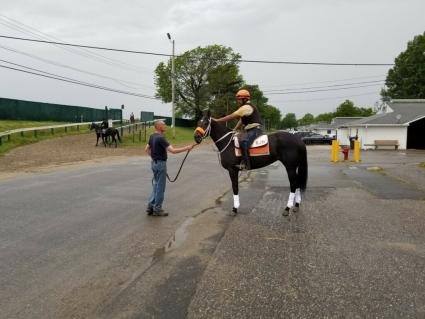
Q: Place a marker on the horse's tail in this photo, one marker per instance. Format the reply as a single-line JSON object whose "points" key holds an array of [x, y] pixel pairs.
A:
{"points": [[302, 167], [118, 135]]}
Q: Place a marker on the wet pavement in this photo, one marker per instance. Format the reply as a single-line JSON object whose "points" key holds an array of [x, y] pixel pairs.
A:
{"points": [[351, 252], [355, 249]]}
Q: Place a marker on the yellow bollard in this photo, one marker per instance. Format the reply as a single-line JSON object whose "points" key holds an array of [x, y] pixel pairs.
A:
{"points": [[335, 151], [356, 151]]}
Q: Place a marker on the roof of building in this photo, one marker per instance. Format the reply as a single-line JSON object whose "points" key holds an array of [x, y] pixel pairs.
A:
{"points": [[338, 121], [401, 113]]}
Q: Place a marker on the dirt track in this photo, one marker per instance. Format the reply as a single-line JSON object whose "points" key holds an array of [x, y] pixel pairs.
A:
{"points": [[62, 150]]}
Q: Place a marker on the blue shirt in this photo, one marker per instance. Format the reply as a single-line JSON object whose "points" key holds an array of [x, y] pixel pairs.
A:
{"points": [[158, 145]]}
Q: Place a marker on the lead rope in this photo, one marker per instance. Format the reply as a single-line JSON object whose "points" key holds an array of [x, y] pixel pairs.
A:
{"points": [[178, 173]]}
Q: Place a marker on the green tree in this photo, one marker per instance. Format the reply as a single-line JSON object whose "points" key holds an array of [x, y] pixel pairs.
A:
{"points": [[406, 80], [346, 108], [325, 117], [307, 119], [204, 77], [289, 121], [365, 111], [272, 117]]}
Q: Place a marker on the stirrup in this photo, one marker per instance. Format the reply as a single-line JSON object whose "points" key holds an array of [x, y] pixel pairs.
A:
{"points": [[243, 166]]}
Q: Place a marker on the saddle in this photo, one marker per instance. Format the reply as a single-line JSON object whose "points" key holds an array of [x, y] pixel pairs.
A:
{"points": [[259, 147]]}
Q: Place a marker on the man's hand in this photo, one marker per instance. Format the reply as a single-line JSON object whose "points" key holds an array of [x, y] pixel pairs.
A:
{"points": [[148, 149], [190, 147]]}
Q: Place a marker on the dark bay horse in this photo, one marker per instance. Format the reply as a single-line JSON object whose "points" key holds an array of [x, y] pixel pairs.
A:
{"points": [[105, 133], [284, 147]]}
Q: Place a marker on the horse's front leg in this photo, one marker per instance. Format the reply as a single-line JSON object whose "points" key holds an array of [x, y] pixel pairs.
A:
{"points": [[234, 177], [97, 139], [297, 199]]}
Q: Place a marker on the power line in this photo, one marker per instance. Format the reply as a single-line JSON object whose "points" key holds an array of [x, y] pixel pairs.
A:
{"points": [[327, 98], [325, 90], [70, 80], [326, 86], [169, 55], [122, 82], [21, 27], [329, 81]]}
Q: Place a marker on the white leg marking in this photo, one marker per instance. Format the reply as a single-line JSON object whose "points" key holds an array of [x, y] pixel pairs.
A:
{"points": [[236, 202], [291, 200], [298, 196]]}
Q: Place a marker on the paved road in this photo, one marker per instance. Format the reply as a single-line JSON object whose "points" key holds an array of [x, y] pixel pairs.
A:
{"points": [[77, 244], [352, 251], [71, 240]]}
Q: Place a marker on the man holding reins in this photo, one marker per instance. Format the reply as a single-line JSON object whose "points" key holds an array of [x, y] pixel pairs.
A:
{"points": [[250, 119], [157, 148]]}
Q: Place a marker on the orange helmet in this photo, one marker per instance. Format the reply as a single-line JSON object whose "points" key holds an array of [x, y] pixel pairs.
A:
{"points": [[243, 94]]}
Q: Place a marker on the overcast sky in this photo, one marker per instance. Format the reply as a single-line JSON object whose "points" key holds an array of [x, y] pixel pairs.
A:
{"points": [[346, 31]]}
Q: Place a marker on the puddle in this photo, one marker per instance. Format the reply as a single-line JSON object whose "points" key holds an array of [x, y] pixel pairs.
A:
{"points": [[175, 241], [179, 236]]}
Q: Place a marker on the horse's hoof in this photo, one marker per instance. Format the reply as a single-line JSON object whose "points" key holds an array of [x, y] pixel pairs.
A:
{"points": [[296, 207], [286, 211], [234, 211]]}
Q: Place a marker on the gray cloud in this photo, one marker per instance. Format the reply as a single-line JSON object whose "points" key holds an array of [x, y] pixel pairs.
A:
{"points": [[306, 30]]}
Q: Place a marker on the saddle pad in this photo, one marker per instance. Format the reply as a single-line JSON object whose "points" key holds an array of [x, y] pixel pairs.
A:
{"points": [[259, 147], [258, 142], [255, 151]]}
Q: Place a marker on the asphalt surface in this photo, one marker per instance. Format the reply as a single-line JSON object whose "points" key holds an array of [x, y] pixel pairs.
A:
{"points": [[352, 251], [77, 243], [72, 240]]}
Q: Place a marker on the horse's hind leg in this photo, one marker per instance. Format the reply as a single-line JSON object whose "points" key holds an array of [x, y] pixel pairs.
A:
{"points": [[234, 176], [297, 199], [292, 175]]}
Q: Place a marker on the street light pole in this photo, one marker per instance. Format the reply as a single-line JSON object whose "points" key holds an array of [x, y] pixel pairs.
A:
{"points": [[173, 89]]}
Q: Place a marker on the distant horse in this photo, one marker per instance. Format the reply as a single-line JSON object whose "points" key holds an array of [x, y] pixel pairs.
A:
{"points": [[105, 133], [282, 146]]}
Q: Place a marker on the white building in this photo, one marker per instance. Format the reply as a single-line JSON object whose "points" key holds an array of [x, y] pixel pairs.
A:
{"points": [[402, 121]]}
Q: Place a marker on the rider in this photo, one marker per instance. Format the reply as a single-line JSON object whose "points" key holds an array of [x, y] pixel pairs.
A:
{"points": [[250, 119]]}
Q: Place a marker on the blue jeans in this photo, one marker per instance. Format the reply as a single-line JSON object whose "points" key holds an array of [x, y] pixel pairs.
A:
{"points": [[159, 169], [249, 136]]}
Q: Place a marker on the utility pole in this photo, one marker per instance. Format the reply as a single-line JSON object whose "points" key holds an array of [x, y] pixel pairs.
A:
{"points": [[173, 89]]}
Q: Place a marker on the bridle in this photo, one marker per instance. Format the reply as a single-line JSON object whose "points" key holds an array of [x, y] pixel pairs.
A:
{"points": [[206, 132]]}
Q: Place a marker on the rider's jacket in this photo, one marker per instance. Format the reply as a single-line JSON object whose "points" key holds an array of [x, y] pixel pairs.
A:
{"points": [[249, 115]]}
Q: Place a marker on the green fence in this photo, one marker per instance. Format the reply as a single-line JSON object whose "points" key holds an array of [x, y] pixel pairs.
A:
{"points": [[179, 122], [11, 109], [146, 116]]}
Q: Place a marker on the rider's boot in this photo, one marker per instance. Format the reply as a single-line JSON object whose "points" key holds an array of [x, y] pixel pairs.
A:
{"points": [[245, 163]]}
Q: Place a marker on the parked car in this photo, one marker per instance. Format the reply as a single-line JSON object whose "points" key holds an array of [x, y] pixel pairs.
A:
{"points": [[316, 138], [302, 134]]}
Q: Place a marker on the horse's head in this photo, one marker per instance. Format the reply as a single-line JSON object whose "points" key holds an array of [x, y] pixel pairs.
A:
{"points": [[92, 126], [204, 128]]}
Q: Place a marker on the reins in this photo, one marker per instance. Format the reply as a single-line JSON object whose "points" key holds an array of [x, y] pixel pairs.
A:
{"points": [[178, 173], [205, 133]]}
